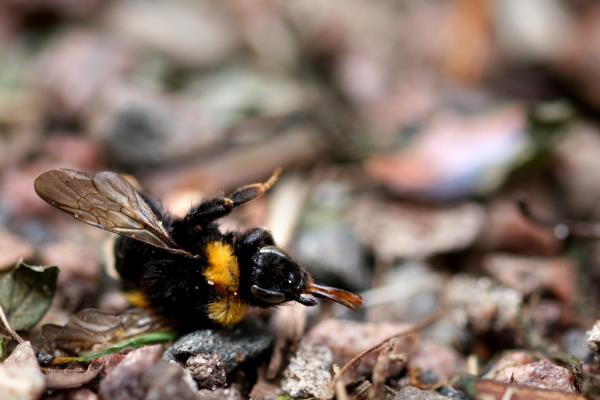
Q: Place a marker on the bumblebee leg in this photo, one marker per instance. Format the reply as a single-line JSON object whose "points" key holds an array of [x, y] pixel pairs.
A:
{"points": [[220, 206], [206, 212], [250, 192]]}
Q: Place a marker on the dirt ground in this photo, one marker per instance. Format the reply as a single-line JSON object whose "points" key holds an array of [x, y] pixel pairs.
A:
{"points": [[438, 158]]}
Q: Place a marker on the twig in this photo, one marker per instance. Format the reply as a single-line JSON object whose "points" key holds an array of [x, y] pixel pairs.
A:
{"points": [[340, 389], [424, 323], [10, 330]]}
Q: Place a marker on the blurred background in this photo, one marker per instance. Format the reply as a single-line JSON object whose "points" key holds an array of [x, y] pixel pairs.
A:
{"points": [[407, 130]]}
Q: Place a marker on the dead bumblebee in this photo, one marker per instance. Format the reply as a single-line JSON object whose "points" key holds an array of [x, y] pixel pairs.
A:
{"points": [[187, 269]]}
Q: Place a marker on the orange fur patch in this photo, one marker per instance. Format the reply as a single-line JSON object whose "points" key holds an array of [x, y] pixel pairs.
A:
{"points": [[222, 269], [223, 272], [227, 311], [137, 299]]}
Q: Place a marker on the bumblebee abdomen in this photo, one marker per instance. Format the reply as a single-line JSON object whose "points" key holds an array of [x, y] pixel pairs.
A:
{"points": [[177, 289]]}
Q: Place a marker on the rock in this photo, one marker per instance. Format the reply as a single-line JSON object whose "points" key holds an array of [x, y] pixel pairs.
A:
{"points": [[73, 394], [234, 346], [309, 372], [413, 393], [108, 363], [17, 191], [575, 66], [546, 316], [233, 392], [402, 230], [333, 255], [440, 362], [325, 242], [456, 155], [140, 127], [522, 368], [532, 43], [142, 376], [196, 34], [207, 370], [573, 341], [410, 292], [75, 260], [534, 274], [347, 338], [452, 393], [125, 381], [20, 375], [484, 304], [578, 157], [231, 94], [58, 8], [593, 338], [77, 151], [13, 249], [67, 81], [168, 381]]}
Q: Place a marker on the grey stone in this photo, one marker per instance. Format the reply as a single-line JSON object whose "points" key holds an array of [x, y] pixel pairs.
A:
{"points": [[234, 346], [333, 253], [413, 393], [309, 372]]}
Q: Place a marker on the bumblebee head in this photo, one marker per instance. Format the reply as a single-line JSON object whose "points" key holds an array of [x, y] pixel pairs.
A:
{"points": [[277, 278]]}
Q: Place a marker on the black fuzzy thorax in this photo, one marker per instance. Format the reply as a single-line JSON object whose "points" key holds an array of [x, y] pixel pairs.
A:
{"points": [[173, 284]]}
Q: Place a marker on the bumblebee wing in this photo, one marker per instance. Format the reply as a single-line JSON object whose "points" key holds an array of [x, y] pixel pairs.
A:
{"points": [[105, 200], [91, 327]]}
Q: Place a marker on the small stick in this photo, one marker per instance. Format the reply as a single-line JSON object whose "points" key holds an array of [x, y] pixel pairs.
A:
{"points": [[10, 330], [424, 323], [340, 389]]}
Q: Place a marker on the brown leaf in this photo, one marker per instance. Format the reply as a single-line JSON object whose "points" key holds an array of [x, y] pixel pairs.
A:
{"points": [[70, 378], [405, 230], [493, 390], [524, 369]]}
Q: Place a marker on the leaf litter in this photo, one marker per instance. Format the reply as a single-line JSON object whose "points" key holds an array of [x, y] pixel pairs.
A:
{"points": [[449, 174]]}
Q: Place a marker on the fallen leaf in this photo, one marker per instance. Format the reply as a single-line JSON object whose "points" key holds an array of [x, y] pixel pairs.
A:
{"points": [[91, 328], [70, 378], [489, 389], [408, 230], [26, 293]]}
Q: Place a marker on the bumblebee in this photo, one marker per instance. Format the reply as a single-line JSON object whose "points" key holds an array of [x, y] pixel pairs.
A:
{"points": [[186, 269]]}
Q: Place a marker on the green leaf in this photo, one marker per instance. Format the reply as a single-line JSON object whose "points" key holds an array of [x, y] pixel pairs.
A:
{"points": [[26, 293], [131, 343]]}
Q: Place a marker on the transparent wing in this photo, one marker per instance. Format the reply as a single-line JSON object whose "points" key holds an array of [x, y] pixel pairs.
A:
{"points": [[91, 327], [105, 200]]}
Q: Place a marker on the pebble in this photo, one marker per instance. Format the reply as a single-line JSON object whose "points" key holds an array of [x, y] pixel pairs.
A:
{"points": [[333, 255], [20, 375], [141, 375], [207, 370], [309, 372], [522, 368], [413, 393], [234, 346]]}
